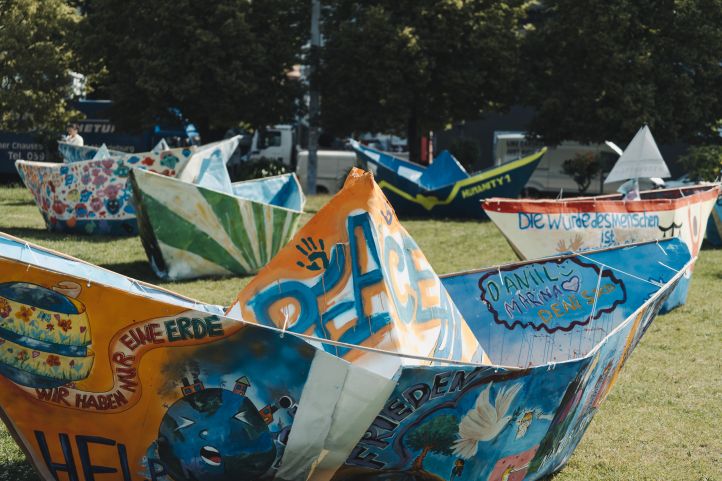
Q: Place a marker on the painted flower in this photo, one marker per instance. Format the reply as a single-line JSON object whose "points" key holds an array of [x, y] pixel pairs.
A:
{"points": [[65, 324], [25, 314], [148, 161], [59, 207], [122, 171], [22, 356], [99, 180], [169, 161], [52, 360], [73, 195], [85, 179], [5, 308], [96, 203], [49, 327], [112, 190], [81, 210]]}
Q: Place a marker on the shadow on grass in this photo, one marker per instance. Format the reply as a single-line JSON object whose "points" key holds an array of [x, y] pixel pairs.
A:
{"points": [[706, 246], [17, 471], [15, 203], [139, 270], [42, 234], [31, 233], [142, 271]]}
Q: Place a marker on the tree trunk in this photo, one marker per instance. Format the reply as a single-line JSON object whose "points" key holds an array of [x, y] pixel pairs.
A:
{"points": [[413, 138], [419, 462]]}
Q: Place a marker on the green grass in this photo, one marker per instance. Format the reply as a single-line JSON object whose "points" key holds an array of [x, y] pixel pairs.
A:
{"points": [[661, 421]]}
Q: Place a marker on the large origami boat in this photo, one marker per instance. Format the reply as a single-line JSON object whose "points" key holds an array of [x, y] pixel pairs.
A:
{"points": [[201, 224], [714, 225], [540, 228], [346, 358], [444, 188], [93, 196], [76, 153]]}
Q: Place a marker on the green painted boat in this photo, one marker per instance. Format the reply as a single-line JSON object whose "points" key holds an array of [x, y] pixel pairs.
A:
{"points": [[206, 226]]}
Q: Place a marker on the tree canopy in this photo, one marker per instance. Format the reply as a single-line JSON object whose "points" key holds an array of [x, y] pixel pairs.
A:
{"points": [[36, 58], [410, 66], [592, 70], [436, 436], [597, 70], [222, 63]]}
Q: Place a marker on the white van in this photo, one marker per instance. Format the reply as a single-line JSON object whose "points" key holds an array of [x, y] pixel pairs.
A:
{"points": [[549, 176]]}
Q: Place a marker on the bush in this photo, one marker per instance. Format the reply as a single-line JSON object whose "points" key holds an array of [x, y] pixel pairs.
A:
{"points": [[703, 163], [258, 169], [582, 168]]}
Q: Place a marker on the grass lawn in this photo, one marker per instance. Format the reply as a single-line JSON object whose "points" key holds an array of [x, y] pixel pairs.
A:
{"points": [[662, 421]]}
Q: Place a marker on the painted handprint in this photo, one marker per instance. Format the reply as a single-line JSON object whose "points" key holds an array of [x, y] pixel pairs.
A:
{"points": [[574, 244], [313, 254]]}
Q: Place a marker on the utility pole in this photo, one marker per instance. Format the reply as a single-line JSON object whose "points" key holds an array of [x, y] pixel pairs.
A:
{"points": [[314, 104]]}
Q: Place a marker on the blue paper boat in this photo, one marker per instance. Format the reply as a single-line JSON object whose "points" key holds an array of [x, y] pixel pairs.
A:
{"points": [[444, 188]]}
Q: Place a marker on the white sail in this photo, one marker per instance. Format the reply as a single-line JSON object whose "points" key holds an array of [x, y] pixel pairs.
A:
{"points": [[641, 158]]}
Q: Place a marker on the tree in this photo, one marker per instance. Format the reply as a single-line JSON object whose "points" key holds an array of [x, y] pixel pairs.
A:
{"points": [[582, 168], [599, 69], [436, 436], [222, 63], [410, 66], [703, 163], [36, 58]]}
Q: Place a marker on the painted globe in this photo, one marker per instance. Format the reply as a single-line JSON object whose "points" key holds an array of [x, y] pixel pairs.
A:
{"points": [[44, 335]]}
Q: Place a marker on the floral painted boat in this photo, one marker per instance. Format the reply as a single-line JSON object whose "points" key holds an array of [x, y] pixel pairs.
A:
{"points": [[93, 197], [207, 226], [444, 188], [346, 358], [75, 153], [540, 228]]}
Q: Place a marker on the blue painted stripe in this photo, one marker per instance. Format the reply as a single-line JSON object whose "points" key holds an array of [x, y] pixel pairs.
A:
{"points": [[29, 343]]}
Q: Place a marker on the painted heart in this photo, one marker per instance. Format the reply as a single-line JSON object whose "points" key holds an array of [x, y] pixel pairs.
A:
{"points": [[56, 316], [83, 329], [35, 354], [571, 284]]}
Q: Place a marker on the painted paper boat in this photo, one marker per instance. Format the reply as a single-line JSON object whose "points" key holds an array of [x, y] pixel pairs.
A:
{"points": [[346, 358], [75, 153], [714, 225], [206, 226], [93, 197], [444, 188], [540, 228]]}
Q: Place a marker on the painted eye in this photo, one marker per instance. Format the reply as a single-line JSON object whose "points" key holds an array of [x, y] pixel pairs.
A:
{"points": [[250, 426], [184, 423], [243, 417]]}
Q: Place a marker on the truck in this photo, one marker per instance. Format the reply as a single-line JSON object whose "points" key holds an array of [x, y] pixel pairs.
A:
{"points": [[279, 143], [96, 128]]}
